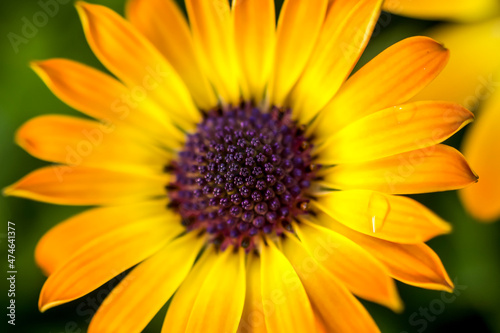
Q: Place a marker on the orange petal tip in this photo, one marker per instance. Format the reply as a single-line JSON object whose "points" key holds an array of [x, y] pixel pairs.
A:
{"points": [[44, 303], [44, 307], [396, 305], [8, 191]]}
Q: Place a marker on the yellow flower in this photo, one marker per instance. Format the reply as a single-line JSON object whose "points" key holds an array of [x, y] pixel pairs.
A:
{"points": [[455, 10], [240, 170], [475, 64]]}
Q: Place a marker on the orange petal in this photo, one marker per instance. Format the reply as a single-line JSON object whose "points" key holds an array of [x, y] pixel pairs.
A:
{"points": [[389, 217], [66, 185], [179, 310], [391, 78], [288, 307], [473, 64], [105, 257], [76, 141], [456, 10], [414, 264], [481, 147], [357, 269], [213, 34], [344, 35], [146, 289], [252, 319], [133, 59], [298, 28], [162, 22], [113, 103], [55, 247], [339, 310], [432, 169], [254, 22], [395, 130], [219, 304]]}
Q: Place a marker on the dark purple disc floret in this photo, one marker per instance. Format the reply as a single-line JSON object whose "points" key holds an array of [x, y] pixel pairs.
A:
{"points": [[243, 173]]}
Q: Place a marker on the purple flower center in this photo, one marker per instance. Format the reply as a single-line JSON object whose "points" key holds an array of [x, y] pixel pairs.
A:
{"points": [[242, 174]]}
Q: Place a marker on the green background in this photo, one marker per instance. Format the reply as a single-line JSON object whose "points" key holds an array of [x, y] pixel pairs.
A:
{"points": [[470, 254]]}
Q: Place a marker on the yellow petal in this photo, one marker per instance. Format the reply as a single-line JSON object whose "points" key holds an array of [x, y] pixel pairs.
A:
{"points": [[66, 185], [213, 34], [339, 309], [414, 264], [481, 147], [112, 103], [456, 10], [391, 78], [357, 269], [298, 28], [105, 257], [146, 289], [133, 59], [252, 319], [343, 37], [254, 23], [432, 169], [179, 310], [474, 62], [56, 247], [162, 22], [394, 130], [393, 218], [219, 304], [75, 141], [287, 306]]}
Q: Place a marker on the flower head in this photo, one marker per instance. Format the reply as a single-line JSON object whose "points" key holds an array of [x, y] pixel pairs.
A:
{"points": [[240, 169]]}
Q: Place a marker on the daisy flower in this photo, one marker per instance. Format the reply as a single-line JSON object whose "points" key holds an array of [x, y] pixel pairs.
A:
{"points": [[240, 170]]}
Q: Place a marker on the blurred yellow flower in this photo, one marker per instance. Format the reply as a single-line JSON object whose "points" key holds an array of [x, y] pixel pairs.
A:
{"points": [[208, 171], [453, 10]]}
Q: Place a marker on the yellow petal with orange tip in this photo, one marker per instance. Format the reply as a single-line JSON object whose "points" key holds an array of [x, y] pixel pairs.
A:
{"points": [[75, 84], [432, 169], [352, 265], [391, 78], [133, 59], [67, 185], [482, 150], [454, 10], [393, 218], [55, 248], [394, 130], [146, 289], [213, 33], [339, 310], [179, 312], [473, 63], [343, 37], [414, 264], [163, 23], [299, 26], [104, 258], [254, 24], [252, 319], [219, 304], [77, 141], [289, 308]]}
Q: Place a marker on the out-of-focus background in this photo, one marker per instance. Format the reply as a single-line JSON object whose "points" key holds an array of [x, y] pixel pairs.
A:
{"points": [[471, 253]]}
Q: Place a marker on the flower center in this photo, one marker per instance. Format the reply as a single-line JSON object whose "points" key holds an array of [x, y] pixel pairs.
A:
{"points": [[243, 173]]}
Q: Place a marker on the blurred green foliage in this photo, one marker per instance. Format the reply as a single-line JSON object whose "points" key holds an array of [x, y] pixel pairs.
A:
{"points": [[471, 253]]}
